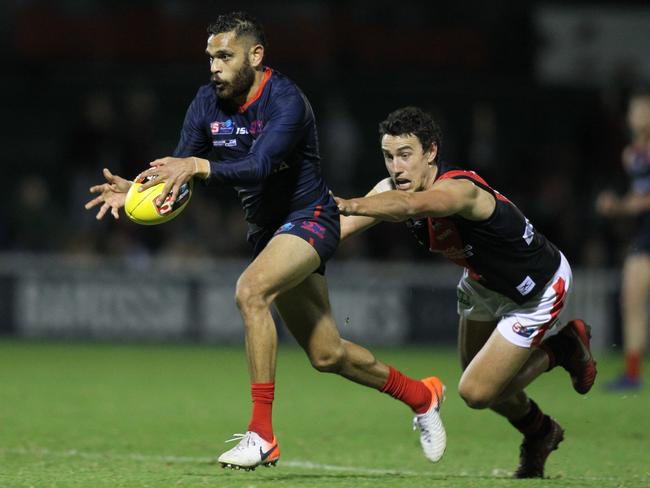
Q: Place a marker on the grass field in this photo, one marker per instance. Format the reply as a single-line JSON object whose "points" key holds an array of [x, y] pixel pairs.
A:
{"points": [[152, 416]]}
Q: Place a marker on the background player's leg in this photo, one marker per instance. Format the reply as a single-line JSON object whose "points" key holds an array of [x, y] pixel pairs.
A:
{"points": [[636, 287]]}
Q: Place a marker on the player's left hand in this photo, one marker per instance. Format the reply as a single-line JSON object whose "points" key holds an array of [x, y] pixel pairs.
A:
{"points": [[174, 172], [112, 195]]}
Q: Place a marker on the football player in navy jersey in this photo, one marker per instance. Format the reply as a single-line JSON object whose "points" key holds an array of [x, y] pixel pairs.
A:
{"points": [[636, 269], [253, 128], [514, 285]]}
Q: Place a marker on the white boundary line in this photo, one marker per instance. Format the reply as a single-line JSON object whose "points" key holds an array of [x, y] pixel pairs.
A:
{"points": [[196, 459], [496, 473]]}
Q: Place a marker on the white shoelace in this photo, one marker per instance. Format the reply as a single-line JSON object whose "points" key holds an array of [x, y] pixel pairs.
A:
{"points": [[241, 437]]}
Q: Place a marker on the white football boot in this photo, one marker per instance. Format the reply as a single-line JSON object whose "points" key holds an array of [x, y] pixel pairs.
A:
{"points": [[433, 438], [250, 452]]}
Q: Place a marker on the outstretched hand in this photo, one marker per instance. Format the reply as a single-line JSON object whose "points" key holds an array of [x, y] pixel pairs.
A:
{"points": [[112, 195], [174, 172]]}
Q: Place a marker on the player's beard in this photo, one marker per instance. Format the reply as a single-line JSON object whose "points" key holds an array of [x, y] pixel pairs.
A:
{"points": [[235, 91]]}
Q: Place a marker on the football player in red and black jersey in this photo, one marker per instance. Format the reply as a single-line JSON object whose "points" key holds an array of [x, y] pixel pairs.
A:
{"points": [[514, 284]]}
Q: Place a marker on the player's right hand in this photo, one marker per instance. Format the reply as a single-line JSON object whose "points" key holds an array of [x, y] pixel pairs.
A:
{"points": [[112, 195]]}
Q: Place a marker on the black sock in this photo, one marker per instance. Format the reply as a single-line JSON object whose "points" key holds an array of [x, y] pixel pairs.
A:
{"points": [[534, 424], [559, 348]]}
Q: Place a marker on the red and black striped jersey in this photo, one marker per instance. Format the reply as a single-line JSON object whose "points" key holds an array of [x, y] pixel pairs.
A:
{"points": [[505, 253]]}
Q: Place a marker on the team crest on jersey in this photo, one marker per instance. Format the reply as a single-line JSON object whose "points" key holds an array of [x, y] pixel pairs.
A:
{"points": [[219, 127], [256, 126]]}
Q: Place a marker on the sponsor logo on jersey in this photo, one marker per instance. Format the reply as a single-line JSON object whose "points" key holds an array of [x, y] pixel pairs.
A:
{"points": [[225, 143], [418, 230], [526, 286], [456, 254], [285, 227], [529, 232], [218, 127], [314, 228], [522, 330]]}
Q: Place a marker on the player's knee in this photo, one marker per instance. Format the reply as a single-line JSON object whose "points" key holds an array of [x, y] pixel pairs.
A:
{"points": [[328, 361], [474, 396], [249, 296]]}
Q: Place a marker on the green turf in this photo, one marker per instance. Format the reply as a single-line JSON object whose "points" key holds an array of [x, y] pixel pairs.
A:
{"points": [[111, 416]]}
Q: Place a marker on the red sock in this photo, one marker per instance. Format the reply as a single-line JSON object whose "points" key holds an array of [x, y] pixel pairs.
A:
{"points": [[410, 391], [261, 423], [633, 365]]}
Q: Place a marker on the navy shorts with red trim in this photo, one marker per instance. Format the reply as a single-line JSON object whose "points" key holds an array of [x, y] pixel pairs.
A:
{"points": [[318, 224]]}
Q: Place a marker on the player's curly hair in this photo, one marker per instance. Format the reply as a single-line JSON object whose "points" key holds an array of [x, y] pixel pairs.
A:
{"points": [[241, 23], [412, 120]]}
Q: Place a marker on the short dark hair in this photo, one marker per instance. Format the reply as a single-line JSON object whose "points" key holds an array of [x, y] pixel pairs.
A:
{"points": [[241, 23], [412, 120]]}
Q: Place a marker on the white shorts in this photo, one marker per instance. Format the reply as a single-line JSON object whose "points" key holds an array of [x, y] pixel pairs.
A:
{"points": [[524, 325]]}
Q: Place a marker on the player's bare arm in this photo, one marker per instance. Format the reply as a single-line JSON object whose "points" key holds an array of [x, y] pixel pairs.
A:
{"points": [[112, 195], [355, 224], [608, 204], [175, 172], [447, 197]]}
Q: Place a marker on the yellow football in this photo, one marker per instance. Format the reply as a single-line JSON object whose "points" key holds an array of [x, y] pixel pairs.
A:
{"points": [[141, 208]]}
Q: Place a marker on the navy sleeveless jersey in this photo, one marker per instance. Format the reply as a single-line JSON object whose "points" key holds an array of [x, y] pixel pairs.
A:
{"points": [[504, 253], [639, 171], [267, 149]]}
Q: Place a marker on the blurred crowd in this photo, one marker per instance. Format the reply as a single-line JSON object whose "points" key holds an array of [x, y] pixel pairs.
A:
{"points": [[553, 181], [550, 149]]}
